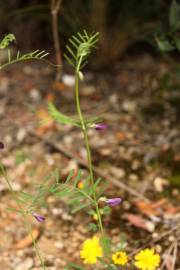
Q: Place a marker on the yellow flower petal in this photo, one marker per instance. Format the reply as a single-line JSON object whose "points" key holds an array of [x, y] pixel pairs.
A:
{"points": [[120, 258], [147, 259], [91, 250]]}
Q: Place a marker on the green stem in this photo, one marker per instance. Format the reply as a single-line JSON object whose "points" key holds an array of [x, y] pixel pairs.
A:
{"points": [[88, 150], [27, 223]]}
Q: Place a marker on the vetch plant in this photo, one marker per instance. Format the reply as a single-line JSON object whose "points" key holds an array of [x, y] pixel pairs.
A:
{"points": [[79, 192], [34, 55], [89, 193]]}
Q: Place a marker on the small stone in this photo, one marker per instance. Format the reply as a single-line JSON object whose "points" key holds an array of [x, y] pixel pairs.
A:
{"points": [[135, 165], [59, 245], [160, 183], [21, 134], [158, 248], [118, 172], [106, 151], [171, 238], [25, 265], [88, 90], [34, 94], [68, 80], [175, 192], [129, 106], [57, 211], [133, 177]]}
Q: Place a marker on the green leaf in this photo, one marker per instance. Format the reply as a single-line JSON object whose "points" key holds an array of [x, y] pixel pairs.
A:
{"points": [[61, 118], [77, 178], [164, 44], [70, 175], [106, 210], [63, 193], [177, 42], [56, 175], [92, 227], [174, 16], [7, 40], [106, 244], [13, 210], [80, 207], [76, 266], [26, 196]]}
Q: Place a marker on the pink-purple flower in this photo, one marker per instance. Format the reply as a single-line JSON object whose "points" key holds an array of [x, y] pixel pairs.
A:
{"points": [[38, 217], [113, 201], [100, 126]]}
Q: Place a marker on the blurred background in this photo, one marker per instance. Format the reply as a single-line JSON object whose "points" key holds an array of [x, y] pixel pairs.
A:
{"points": [[122, 25]]}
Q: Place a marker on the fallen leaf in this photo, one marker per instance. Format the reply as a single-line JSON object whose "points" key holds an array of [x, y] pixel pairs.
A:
{"points": [[46, 121], [60, 86], [120, 136], [27, 240], [140, 222], [50, 97], [150, 208]]}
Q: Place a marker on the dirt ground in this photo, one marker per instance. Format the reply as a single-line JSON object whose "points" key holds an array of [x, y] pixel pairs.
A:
{"points": [[138, 155]]}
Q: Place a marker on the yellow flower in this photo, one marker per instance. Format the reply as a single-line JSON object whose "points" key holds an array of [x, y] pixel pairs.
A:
{"points": [[91, 249], [120, 258], [147, 260]]}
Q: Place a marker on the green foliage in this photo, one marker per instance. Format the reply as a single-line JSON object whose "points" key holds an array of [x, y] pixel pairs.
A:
{"points": [[164, 44], [72, 266], [66, 120], [21, 156], [6, 41], [35, 55], [77, 198], [169, 41], [174, 16], [106, 244], [79, 48], [175, 180], [60, 117], [92, 227]]}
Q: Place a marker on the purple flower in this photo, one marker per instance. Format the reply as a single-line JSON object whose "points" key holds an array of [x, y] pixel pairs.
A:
{"points": [[1, 145], [100, 126], [38, 217], [113, 201]]}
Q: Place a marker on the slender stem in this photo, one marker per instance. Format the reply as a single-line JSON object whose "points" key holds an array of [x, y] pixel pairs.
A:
{"points": [[88, 150], [24, 214]]}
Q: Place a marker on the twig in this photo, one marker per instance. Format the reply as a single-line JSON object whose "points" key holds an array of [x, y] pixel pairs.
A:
{"points": [[175, 254], [55, 7], [99, 172], [167, 254], [157, 239]]}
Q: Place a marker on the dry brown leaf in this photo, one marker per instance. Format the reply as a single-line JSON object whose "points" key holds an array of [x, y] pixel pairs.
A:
{"points": [[27, 240], [50, 97], [120, 136], [146, 208], [140, 222], [46, 121], [150, 208], [60, 86]]}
